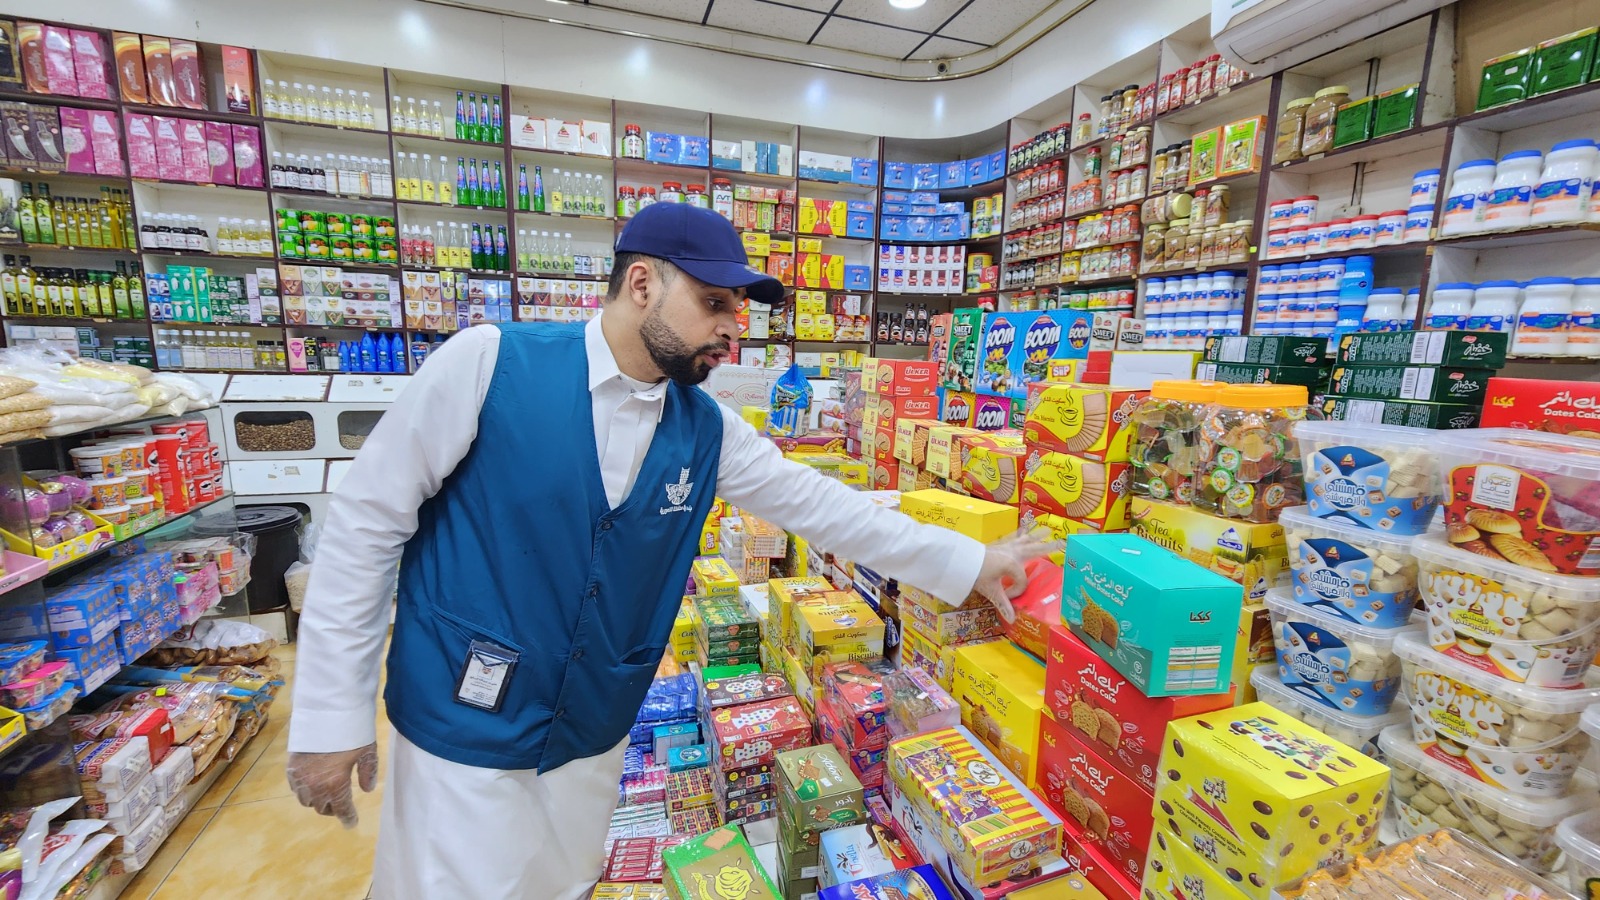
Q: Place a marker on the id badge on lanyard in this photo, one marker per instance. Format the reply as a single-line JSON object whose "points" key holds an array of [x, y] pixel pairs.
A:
{"points": [[485, 675]]}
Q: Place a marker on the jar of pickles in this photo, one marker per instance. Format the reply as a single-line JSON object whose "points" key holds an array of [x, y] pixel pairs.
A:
{"points": [[1247, 467], [1166, 440]]}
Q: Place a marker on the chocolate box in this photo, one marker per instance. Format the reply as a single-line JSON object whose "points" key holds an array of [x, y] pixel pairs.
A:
{"points": [[720, 864], [922, 882], [756, 732], [1001, 692], [856, 691], [745, 689], [818, 789], [1098, 802]]}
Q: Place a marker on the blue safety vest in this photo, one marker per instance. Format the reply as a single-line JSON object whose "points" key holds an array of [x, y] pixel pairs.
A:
{"points": [[520, 549]]}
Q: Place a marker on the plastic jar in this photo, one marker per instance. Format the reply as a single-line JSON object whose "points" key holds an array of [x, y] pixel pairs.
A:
{"points": [[1391, 228], [1419, 222], [1463, 202], [1347, 665], [1408, 311], [1317, 136], [1247, 466], [1338, 235], [1303, 210], [1510, 198], [627, 202], [1330, 273], [1363, 232], [1583, 323], [1317, 238], [1562, 194], [671, 192], [647, 197], [1424, 188], [1542, 318], [1360, 732], [1383, 310], [1494, 306], [1165, 448], [722, 197], [1279, 212], [695, 195], [1450, 306], [1298, 235], [1291, 126], [632, 142]]}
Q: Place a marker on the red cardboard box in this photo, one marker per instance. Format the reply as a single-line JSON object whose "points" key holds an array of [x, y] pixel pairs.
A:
{"points": [[1559, 407], [884, 475], [900, 377], [1038, 608], [1106, 711], [856, 692], [757, 732], [1087, 859], [1109, 810], [915, 406]]}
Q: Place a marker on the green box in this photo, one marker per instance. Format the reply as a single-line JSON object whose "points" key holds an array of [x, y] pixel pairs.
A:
{"points": [[721, 857], [818, 789], [1354, 122], [1506, 79], [1314, 377], [1395, 111], [798, 852], [1413, 413], [1204, 148], [1563, 62], [961, 368], [1434, 384], [1464, 349], [1267, 351], [721, 619]]}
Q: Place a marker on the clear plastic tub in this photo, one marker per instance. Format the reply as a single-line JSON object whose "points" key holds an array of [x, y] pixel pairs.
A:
{"points": [[1525, 497], [1428, 795], [1165, 450], [1247, 468], [1514, 622], [1382, 477], [1579, 837], [1516, 737], [1363, 575], [1360, 732], [1331, 660]]}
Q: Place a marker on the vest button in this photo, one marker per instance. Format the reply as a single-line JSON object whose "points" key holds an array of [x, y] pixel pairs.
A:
{"points": [[605, 526], [578, 653], [561, 712], [594, 592]]}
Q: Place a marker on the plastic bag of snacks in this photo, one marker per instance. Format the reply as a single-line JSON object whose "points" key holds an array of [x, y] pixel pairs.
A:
{"points": [[214, 642], [1248, 468], [1166, 442], [790, 412], [1444, 865]]}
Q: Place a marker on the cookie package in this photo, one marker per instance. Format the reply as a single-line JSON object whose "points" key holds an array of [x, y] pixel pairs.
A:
{"points": [[1001, 692], [719, 864], [1097, 802]]}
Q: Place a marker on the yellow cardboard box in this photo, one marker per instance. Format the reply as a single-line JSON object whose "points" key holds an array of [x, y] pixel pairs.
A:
{"points": [[845, 469], [755, 415], [911, 440], [756, 243], [1254, 555], [914, 479], [813, 302], [944, 456], [784, 593], [978, 519], [1001, 692], [782, 245], [1173, 870], [846, 622], [715, 578], [683, 628], [808, 245]]}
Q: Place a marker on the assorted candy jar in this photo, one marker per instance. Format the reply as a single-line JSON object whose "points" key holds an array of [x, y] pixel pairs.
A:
{"points": [[1166, 445], [1247, 464]]}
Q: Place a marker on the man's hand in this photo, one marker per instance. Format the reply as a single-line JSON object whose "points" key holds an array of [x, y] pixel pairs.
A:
{"points": [[1004, 575], [322, 780]]}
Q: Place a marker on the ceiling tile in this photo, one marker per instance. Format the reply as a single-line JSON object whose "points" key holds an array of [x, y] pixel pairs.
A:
{"points": [[814, 5], [945, 48], [684, 10], [926, 18], [848, 34], [767, 19], [992, 21]]}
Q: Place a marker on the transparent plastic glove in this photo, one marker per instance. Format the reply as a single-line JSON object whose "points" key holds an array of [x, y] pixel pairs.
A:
{"points": [[1004, 574], [322, 780]]}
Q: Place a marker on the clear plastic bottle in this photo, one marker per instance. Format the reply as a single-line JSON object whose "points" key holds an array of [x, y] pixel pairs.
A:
{"points": [[412, 122], [369, 116], [329, 111], [297, 104], [341, 109], [428, 186]]}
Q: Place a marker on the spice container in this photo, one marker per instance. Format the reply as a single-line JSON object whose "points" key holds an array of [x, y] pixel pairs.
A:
{"points": [[1360, 732], [1330, 660], [1317, 133], [1248, 468], [1291, 127], [1166, 446], [1361, 575]]}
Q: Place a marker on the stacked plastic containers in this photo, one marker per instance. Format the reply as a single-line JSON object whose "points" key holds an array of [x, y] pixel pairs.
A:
{"points": [[1165, 453], [1498, 678], [1180, 312], [1327, 298], [1524, 188], [1293, 230]]}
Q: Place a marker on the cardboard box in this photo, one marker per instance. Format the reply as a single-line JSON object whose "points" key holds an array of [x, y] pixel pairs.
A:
{"points": [[1506, 79], [1395, 110], [1270, 798], [946, 625], [1434, 384], [1103, 709], [722, 858], [755, 733], [1313, 377], [1558, 407], [1174, 871], [1102, 805], [938, 660], [981, 520], [1252, 554], [1412, 413], [991, 466], [943, 457], [962, 350], [1463, 349], [1094, 493], [1242, 145], [1268, 351], [1166, 624], [1086, 420], [922, 882], [1353, 123], [956, 408], [1203, 155], [880, 409], [1001, 692], [911, 440], [1562, 62], [818, 789], [1017, 347]]}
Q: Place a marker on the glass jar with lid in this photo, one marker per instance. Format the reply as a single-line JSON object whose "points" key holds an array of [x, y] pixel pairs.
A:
{"points": [[1317, 136], [1217, 208], [1291, 128], [1166, 445], [647, 196], [632, 142], [627, 202], [671, 192], [695, 195], [1248, 467]]}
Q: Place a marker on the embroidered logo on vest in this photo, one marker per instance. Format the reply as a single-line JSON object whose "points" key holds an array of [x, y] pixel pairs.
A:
{"points": [[678, 494]]}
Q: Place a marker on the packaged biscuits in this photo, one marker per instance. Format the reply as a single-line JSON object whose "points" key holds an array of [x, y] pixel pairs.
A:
{"points": [[1363, 575], [1001, 692], [1447, 864], [1332, 660], [1382, 477], [1089, 492], [991, 466], [720, 864], [1091, 421], [1100, 804], [1250, 553], [1360, 732]]}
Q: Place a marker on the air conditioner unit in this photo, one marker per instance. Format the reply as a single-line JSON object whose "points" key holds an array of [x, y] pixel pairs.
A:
{"points": [[1267, 36]]}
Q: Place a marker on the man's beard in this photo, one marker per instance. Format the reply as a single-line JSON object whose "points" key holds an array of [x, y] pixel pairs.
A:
{"points": [[672, 356]]}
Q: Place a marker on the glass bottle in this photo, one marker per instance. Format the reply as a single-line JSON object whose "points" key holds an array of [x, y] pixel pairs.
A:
{"points": [[26, 222], [523, 197], [461, 116], [119, 293], [499, 187], [136, 299], [557, 186], [44, 216], [537, 190]]}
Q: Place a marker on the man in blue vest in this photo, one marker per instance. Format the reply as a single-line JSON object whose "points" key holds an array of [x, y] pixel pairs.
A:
{"points": [[542, 489]]}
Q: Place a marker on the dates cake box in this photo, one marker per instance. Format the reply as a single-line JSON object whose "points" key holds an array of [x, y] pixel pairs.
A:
{"points": [[1098, 802]]}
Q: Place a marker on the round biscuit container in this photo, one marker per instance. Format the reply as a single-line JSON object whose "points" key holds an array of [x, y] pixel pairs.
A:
{"points": [[1380, 477], [1330, 660], [1523, 497], [1360, 732], [1519, 738], [1366, 576], [1579, 838], [1523, 625], [1429, 795]]}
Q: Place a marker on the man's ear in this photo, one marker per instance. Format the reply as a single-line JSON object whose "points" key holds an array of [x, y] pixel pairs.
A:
{"points": [[638, 284]]}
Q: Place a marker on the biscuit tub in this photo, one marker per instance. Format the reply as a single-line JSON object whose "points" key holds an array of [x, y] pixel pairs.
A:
{"points": [[1579, 838], [1360, 732], [1429, 795], [1381, 477], [1331, 660], [1519, 624], [1359, 574], [1522, 739]]}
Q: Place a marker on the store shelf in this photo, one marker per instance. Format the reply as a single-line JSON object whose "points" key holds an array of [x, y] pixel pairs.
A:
{"points": [[75, 320], [1018, 201], [558, 276], [1195, 270], [463, 207], [490, 273], [324, 195], [841, 185], [1539, 110], [569, 154], [58, 100], [1239, 178], [845, 239], [289, 126], [971, 191], [581, 216], [173, 182], [647, 170], [1114, 279], [202, 254], [1522, 238], [914, 295], [758, 177], [1385, 147], [58, 573], [1228, 105], [403, 137], [22, 172], [1418, 249], [1046, 255], [183, 112], [62, 248]]}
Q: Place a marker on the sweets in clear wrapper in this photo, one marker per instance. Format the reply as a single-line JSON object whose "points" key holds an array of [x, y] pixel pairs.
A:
{"points": [[1443, 865], [917, 703], [1248, 468], [1165, 450]]}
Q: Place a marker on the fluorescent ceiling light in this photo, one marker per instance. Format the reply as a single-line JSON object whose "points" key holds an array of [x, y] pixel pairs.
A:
{"points": [[906, 4]]}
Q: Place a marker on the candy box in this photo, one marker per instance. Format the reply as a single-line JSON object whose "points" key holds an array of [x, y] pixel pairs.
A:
{"points": [[939, 660], [922, 882], [1102, 709], [1530, 498], [1016, 348], [1559, 407], [1360, 732], [722, 619], [720, 864], [922, 843], [745, 689], [1332, 660], [1001, 692], [1102, 805], [1250, 553], [736, 779], [1085, 420], [991, 825], [1476, 349], [856, 691], [632, 890], [991, 466], [691, 787], [917, 703], [1365, 576], [713, 577], [783, 594], [818, 789], [754, 732], [946, 625], [856, 852], [683, 759], [1382, 477], [1266, 798], [1091, 492], [981, 520], [1166, 624], [1174, 871]]}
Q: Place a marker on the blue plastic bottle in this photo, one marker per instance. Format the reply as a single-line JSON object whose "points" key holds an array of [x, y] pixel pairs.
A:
{"points": [[419, 351], [384, 362], [368, 354], [346, 364]]}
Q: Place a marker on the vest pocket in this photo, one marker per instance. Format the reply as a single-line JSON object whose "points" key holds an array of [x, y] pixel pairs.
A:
{"points": [[473, 632]]}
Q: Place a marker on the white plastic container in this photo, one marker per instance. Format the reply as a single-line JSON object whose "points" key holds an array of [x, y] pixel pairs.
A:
{"points": [[1419, 222], [1425, 188], [1451, 306], [1579, 838], [1583, 323], [1509, 202], [1331, 660], [1562, 194], [1408, 310], [1279, 212], [1360, 732], [1494, 306], [1391, 228], [1358, 474], [1516, 737], [1303, 210], [1316, 238], [1363, 232], [1463, 202], [1366, 576], [1429, 795], [1383, 312], [1542, 318]]}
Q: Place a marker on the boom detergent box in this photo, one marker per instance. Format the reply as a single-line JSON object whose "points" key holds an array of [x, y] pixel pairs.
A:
{"points": [[1001, 692], [1085, 420], [1017, 347], [1255, 555], [720, 864], [1102, 709], [1166, 624], [1265, 799], [1100, 804]]}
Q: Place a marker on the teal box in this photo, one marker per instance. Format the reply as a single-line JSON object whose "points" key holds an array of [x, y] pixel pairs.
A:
{"points": [[1167, 624], [682, 759], [1017, 347]]}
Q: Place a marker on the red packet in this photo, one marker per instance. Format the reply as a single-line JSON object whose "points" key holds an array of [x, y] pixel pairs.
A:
{"points": [[1038, 608]]}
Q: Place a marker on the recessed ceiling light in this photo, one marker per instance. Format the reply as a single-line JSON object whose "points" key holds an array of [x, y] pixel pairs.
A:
{"points": [[906, 4]]}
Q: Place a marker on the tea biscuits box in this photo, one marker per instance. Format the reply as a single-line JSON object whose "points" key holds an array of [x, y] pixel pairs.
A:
{"points": [[1001, 692], [1098, 803], [1092, 493], [1082, 419], [1264, 799], [1256, 555], [1169, 626], [720, 864]]}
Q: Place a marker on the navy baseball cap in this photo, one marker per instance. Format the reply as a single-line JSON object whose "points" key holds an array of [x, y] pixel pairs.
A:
{"points": [[700, 242]]}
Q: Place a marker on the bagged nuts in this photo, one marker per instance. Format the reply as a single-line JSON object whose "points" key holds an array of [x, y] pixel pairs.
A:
{"points": [[1382, 477], [1363, 575], [1331, 660]]}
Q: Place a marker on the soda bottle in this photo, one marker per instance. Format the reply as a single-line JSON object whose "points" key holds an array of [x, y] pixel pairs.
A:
{"points": [[523, 199]]}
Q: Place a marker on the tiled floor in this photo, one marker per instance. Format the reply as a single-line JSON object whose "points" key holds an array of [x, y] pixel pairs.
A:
{"points": [[249, 837]]}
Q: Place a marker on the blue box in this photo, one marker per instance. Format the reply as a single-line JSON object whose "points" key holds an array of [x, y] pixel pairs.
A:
{"points": [[895, 228], [953, 175], [920, 228], [978, 170], [1015, 348], [949, 209], [925, 197], [896, 209], [858, 224], [922, 882], [925, 209], [997, 165], [859, 206], [763, 156], [896, 197], [694, 151], [946, 228], [727, 164], [858, 278], [925, 176], [898, 175], [682, 759], [863, 170], [663, 146]]}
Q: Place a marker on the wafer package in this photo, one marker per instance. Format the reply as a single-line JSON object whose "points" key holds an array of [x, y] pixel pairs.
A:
{"points": [[1091, 421], [1446, 865], [1090, 492]]}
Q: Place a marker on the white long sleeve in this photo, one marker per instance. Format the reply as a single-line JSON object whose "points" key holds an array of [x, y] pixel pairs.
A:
{"points": [[414, 447]]}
